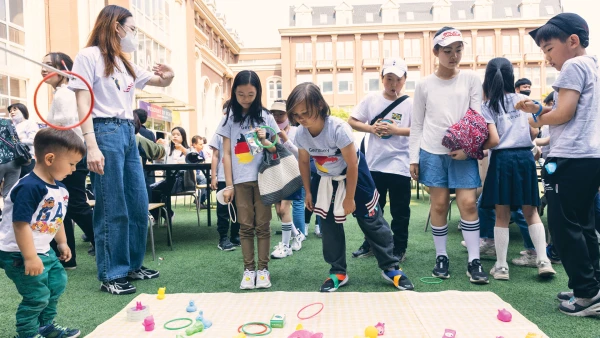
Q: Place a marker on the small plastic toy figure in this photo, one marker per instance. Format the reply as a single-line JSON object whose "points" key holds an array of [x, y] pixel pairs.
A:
{"points": [[207, 323], [380, 329], [449, 333], [504, 315], [191, 307], [161, 293], [149, 323], [371, 332], [195, 328]]}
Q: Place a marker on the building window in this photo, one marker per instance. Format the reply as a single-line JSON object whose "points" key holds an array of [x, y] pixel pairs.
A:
{"points": [[152, 17], [481, 74], [412, 78], [324, 51], [485, 45], [369, 17], [150, 52], [370, 49], [529, 45], [304, 51], [508, 12], [12, 32], [391, 48], [510, 44], [390, 15], [302, 78], [462, 15], [533, 74], [551, 75], [410, 16], [468, 47], [274, 91], [325, 82], [371, 82], [412, 48], [517, 73], [345, 50], [550, 10], [323, 19], [345, 83], [12, 90]]}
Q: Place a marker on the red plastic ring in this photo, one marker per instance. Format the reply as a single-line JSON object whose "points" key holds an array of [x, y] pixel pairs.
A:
{"points": [[63, 127], [263, 325], [309, 305]]}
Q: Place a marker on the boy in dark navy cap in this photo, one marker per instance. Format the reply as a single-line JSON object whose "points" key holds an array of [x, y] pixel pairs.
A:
{"points": [[572, 170]]}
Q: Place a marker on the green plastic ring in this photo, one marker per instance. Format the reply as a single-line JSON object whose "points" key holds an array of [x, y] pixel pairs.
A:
{"points": [[269, 329], [176, 320], [273, 143], [431, 280]]}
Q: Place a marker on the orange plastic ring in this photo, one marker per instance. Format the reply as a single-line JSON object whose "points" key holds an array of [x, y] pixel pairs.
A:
{"points": [[254, 324], [63, 127], [309, 305]]}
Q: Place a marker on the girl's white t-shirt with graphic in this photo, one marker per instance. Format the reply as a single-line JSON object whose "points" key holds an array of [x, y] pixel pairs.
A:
{"points": [[386, 155], [326, 148], [244, 164], [113, 94]]}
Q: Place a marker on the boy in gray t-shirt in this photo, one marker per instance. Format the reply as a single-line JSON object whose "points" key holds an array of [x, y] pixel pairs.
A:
{"points": [[572, 170]]}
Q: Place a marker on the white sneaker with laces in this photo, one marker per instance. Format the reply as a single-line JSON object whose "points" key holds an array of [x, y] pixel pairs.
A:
{"points": [[528, 259], [282, 251], [545, 269], [297, 242], [263, 279], [248, 280], [318, 230]]}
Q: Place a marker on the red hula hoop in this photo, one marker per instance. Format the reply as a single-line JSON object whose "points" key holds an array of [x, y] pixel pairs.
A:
{"points": [[309, 305], [63, 127]]}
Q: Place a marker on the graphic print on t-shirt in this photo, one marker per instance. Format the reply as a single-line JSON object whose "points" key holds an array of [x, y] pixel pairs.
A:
{"points": [[321, 161], [242, 151], [44, 221]]}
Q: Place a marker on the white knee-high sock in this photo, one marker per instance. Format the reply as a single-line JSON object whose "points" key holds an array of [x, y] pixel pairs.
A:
{"points": [[501, 240], [440, 237], [286, 233], [470, 231], [538, 237]]}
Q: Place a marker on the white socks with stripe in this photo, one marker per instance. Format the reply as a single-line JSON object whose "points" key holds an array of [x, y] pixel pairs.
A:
{"points": [[501, 241], [286, 233], [470, 231], [538, 237], [440, 237]]}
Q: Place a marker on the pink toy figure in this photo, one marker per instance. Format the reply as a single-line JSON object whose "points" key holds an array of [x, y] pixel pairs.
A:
{"points": [[449, 333], [305, 334], [380, 329], [504, 315], [138, 306], [149, 323]]}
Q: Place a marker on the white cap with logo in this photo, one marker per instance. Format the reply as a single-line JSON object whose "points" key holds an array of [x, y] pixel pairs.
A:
{"points": [[394, 66], [448, 37]]}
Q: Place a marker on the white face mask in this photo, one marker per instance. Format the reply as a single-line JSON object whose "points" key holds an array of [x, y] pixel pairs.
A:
{"points": [[18, 118], [284, 124], [129, 43]]}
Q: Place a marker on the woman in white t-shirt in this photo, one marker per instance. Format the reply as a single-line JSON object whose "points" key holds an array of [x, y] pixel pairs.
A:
{"points": [[120, 214], [26, 130], [63, 112], [441, 100]]}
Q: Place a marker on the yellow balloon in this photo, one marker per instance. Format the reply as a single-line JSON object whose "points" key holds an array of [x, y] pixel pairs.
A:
{"points": [[371, 332]]}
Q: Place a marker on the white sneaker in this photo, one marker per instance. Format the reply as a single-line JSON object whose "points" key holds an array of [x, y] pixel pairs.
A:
{"points": [[281, 251], [263, 279], [500, 273], [318, 230], [528, 259], [306, 229], [248, 280], [297, 241], [486, 248], [545, 269]]}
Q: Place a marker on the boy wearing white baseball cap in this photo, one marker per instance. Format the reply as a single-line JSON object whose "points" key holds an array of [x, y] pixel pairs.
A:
{"points": [[385, 117]]}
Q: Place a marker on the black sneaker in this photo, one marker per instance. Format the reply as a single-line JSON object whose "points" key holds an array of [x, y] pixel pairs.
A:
{"points": [[330, 284], [401, 255], [581, 307], [225, 244], [362, 252], [92, 251], [476, 273], [398, 278], [143, 273], [235, 240], [442, 264], [84, 238], [565, 295], [118, 287], [56, 331]]}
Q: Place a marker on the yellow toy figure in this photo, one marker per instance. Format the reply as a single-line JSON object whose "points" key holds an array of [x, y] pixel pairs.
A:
{"points": [[161, 293], [241, 335]]}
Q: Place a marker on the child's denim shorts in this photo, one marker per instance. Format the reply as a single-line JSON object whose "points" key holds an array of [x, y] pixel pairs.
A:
{"points": [[441, 171]]}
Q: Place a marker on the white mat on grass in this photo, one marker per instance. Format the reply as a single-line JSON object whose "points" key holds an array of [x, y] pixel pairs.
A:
{"points": [[346, 314]]}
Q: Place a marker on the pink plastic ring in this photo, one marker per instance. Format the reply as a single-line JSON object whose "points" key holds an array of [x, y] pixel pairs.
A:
{"points": [[309, 305], [63, 127]]}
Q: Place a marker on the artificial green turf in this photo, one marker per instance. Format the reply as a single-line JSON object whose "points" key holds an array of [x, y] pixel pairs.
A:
{"points": [[196, 265]]}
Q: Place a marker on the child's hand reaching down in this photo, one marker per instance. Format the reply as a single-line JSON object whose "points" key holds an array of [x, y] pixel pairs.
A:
{"points": [[65, 252], [349, 205]]}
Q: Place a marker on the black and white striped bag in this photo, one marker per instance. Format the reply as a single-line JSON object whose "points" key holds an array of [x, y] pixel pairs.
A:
{"points": [[278, 175]]}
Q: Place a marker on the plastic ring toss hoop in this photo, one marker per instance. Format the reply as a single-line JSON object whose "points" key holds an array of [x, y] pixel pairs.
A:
{"points": [[273, 143], [63, 127]]}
